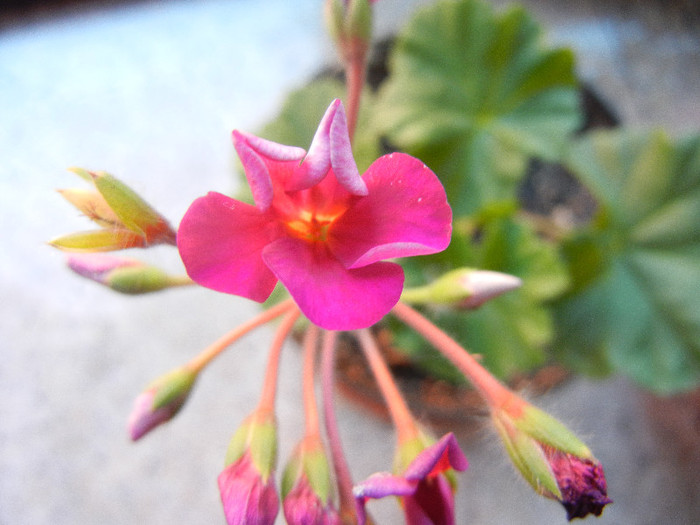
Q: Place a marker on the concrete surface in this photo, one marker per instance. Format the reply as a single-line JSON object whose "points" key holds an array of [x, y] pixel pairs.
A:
{"points": [[150, 91]]}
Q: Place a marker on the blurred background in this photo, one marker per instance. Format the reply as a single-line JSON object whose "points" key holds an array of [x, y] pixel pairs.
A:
{"points": [[150, 91]]}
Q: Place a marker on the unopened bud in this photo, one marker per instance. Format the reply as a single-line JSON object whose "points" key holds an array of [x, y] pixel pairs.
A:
{"points": [[553, 460], [349, 23], [462, 288], [306, 486], [161, 401], [121, 274], [127, 221], [247, 483]]}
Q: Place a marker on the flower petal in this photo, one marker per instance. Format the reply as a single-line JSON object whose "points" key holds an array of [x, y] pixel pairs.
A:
{"points": [[330, 147], [405, 213], [221, 241], [441, 456], [328, 294], [383, 484], [432, 503], [377, 486], [258, 156]]}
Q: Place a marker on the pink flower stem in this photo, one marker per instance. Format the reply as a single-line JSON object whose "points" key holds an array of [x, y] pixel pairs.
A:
{"points": [[309, 394], [269, 392], [216, 348], [406, 428], [342, 471], [493, 391], [355, 71]]}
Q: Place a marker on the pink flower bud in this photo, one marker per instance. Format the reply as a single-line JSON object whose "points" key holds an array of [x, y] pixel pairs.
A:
{"points": [[160, 401]]}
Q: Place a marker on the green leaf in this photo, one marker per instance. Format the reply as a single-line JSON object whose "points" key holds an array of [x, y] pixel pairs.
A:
{"points": [[639, 312], [474, 94], [511, 332]]}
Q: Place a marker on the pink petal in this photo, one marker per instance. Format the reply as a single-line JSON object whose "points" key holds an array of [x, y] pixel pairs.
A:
{"points": [[405, 213], [260, 158], [441, 456], [383, 484], [342, 159], [221, 241], [432, 503], [330, 295], [330, 148]]}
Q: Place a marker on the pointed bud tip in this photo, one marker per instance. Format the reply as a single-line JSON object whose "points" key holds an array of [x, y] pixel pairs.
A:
{"points": [[486, 285]]}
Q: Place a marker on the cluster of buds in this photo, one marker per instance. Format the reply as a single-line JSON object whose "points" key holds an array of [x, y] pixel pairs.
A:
{"points": [[329, 235]]}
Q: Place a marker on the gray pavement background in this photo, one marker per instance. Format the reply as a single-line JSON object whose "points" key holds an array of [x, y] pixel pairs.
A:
{"points": [[150, 92]]}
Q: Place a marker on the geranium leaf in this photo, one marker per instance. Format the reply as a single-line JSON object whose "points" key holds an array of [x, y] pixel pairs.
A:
{"points": [[511, 332], [640, 312], [474, 94]]}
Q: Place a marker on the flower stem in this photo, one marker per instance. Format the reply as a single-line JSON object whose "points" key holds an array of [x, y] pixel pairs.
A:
{"points": [[406, 428], [492, 390], [180, 280], [213, 350], [269, 392], [310, 409], [355, 72], [342, 471]]}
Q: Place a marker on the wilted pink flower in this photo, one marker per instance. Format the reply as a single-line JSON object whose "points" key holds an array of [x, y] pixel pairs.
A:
{"points": [[581, 481], [426, 493], [317, 226], [246, 495]]}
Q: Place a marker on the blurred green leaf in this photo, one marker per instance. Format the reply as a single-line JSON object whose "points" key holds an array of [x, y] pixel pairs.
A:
{"points": [[510, 332], [474, 94], [639, 312]]}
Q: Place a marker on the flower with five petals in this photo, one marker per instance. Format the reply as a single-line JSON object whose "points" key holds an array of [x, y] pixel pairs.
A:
{"points": [[317, 226]]}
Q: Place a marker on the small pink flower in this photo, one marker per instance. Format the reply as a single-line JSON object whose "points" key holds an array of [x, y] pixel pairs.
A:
{"points": [[317, 226], [581, 481], [246, 496], [426, 493]]}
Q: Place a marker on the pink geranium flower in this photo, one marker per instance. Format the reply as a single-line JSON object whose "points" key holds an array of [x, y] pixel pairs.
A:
{"points": [[426, 494], [317, 226]]}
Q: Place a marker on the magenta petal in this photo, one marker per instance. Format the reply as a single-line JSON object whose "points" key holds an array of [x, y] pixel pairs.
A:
{"points": [[221, 241], [441, 456], [383, 484], [256, 155], [330, 295], [405, 213], [432, 503], [342, 160], [330, 148]]}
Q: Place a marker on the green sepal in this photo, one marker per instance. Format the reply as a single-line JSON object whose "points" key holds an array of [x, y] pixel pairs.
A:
{"points": [[98, 241], [258, 437], [548, 430], [134, 280], [92, 205], [358, 20], [310, 460], [135, 213], [528, 457], [443, 290], [172, 387]]}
